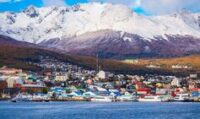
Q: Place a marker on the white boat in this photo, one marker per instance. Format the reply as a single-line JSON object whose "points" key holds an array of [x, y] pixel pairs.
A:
{"points": [[127, 97], [101, 99], [22, 98], [150, 99], [181, 97], [30, 98], [40, 98]]}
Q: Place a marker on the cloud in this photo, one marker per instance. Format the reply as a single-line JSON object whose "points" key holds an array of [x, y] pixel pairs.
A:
{"points": [[169, 6], [18, 0], [6, 1], [157, 6], [54, 2], [149, 7], [129, 3]]}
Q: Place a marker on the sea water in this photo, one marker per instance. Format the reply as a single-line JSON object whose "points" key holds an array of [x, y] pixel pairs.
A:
{"points": [[88, 110]]}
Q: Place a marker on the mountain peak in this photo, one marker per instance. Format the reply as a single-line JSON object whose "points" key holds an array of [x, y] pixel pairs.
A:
{"points": [[46, 23], [31, 11]]}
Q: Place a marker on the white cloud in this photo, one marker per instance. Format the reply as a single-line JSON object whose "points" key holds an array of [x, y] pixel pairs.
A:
{"points": [[6, 1], [169, 6], [129, 3], [158, 6], [54, 2], [17, 0]]}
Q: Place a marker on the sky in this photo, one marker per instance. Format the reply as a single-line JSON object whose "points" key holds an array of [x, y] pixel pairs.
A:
{"points": [[145, 7]]}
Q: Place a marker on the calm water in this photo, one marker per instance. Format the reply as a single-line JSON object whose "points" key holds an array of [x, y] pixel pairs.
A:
{"points": [[86, 110]]}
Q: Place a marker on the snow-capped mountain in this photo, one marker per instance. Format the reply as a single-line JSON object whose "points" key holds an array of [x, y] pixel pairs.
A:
{"points": [[38, 24], [122, 45], [84, 26]]}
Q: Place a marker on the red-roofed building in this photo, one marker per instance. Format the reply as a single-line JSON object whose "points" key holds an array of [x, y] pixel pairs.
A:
{"points": [[141, 88], [9, 71], [31, 88]]}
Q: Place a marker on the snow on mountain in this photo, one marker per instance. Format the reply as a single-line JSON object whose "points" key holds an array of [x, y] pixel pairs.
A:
{"points": [[37, 25], [122, 45]]}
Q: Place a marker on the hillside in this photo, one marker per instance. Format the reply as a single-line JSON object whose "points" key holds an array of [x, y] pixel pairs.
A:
{"points": [[193, 61], [18, 54]]}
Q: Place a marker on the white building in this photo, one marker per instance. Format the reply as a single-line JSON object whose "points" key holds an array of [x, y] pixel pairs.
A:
{"points": [[12, 80], [101, 75], [193, 76], [61, 78], [175, 82], [181, 67], [151, 66]]}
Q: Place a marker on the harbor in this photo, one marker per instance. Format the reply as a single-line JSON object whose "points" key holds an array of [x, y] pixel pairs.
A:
{"points": [[72, 83], [108, 98]]}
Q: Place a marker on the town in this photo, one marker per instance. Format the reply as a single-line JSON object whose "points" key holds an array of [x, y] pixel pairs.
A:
{"points": [[67, 82]]}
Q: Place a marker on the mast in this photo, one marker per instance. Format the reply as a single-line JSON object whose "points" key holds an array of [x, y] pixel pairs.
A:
{"points": [[97, 62]]}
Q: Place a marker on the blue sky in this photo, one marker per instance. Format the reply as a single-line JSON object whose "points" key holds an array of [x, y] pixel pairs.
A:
{"points": [[146, 7]]}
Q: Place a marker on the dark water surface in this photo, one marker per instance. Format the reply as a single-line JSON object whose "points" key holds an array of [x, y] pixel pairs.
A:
{"points": [[87, 110]]}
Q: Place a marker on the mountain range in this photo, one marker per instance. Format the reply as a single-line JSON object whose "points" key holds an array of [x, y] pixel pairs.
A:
{"points": [[26, 56], [112, 31]]}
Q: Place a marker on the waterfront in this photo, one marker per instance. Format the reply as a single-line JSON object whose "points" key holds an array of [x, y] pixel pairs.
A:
{"points": [[88, 110]]}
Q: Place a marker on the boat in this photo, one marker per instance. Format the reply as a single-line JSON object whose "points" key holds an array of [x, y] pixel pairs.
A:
{"points": [[30, 98], [40, 98], [127, 97], [150, 98], [166, 98], [89, 95], [101, 99], [22, 98], [184, 97]]}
